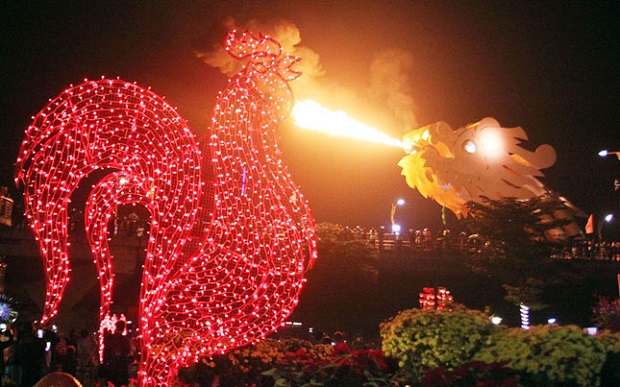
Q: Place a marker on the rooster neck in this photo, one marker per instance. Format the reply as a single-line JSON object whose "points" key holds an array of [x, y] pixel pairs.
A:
{"points": [[244, 129]]}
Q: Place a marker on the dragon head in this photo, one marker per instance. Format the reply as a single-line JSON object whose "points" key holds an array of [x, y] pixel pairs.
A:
{"points": [[482, 159]]}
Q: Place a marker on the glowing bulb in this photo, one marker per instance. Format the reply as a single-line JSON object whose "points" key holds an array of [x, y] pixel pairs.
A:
{"points": [[470, 147], [491, 143]]}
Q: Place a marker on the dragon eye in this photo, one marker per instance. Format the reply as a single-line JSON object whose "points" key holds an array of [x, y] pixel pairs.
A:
{"points": [[469, 146]]}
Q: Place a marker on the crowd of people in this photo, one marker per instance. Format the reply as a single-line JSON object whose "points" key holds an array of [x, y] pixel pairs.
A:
{"points": [[31, 353], [446, 240], [590, 250]]}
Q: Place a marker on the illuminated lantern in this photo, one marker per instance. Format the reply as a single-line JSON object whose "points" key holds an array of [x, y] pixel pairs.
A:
{"points": [[231, 234], [431, 298]]}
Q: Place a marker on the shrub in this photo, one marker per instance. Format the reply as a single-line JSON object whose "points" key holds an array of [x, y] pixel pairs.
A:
{"points": [[246, 365], [548, 355], [475, 373], [422, 340], [341, 368]]}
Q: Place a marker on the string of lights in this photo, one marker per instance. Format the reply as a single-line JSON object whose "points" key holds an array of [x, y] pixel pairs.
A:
{"points": [[231, 234]]}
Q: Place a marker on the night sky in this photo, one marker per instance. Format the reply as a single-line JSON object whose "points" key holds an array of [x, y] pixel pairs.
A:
{"points": [[550, 67]]}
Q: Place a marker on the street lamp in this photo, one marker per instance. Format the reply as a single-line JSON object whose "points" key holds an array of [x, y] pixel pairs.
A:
{"points": [[395, 227], [605, 152]]}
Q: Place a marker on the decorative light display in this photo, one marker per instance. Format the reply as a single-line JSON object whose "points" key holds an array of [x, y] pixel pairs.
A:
{"points": [[8, 314], [431, 298], [108, 325], [231, 234], [524, 312]]}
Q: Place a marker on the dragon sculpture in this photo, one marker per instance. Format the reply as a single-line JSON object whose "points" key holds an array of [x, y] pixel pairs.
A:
{"points": [[231, 235], [479, 160]]}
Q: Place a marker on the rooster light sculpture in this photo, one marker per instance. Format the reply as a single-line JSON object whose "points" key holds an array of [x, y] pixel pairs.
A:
{"points": [[231, 234]]}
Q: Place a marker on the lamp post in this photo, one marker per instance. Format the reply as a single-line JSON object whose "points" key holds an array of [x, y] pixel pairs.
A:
{"points": [[605, 152], [395, 227]]}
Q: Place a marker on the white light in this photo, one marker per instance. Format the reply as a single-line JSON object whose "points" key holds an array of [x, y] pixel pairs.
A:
{"points": [[609, 217], [525, 316], [603, 153], [551, 321], [496, 320], [470, 147], [592, 331], [396, 229], [491, 143], [400, 202]]}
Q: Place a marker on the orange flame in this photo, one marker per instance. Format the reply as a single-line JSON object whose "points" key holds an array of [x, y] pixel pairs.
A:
{"points": [[312, 116]]}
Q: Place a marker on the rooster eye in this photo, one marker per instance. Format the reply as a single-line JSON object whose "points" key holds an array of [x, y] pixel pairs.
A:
{"points": [[469, 146]]}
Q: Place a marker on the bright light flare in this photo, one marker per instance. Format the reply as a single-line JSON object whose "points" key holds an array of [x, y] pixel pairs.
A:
{"points": [[491, 143], [312, 116]]}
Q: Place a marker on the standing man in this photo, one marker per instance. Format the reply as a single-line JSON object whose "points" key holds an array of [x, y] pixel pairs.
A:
{"points": [[116, 356]]}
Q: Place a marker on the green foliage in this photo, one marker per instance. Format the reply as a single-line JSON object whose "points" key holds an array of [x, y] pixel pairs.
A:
{"points": [[8, 382], [422, 340], [609, 340], [329, 232], [475, 373], [340, 369], [606, 314], [549, 355]]}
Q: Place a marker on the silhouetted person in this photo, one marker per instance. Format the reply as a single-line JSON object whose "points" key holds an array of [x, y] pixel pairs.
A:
{"points": [[340, 344], [29, 356], [6, 340], [68, 362], [116, 356], [87, 358]]}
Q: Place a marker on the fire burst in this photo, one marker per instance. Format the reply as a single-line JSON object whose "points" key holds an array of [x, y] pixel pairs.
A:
{"points": [[312, 116]]}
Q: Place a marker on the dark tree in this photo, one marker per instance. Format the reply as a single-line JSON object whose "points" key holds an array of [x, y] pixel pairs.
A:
{"points": [[606, 314], [513, 244]]}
